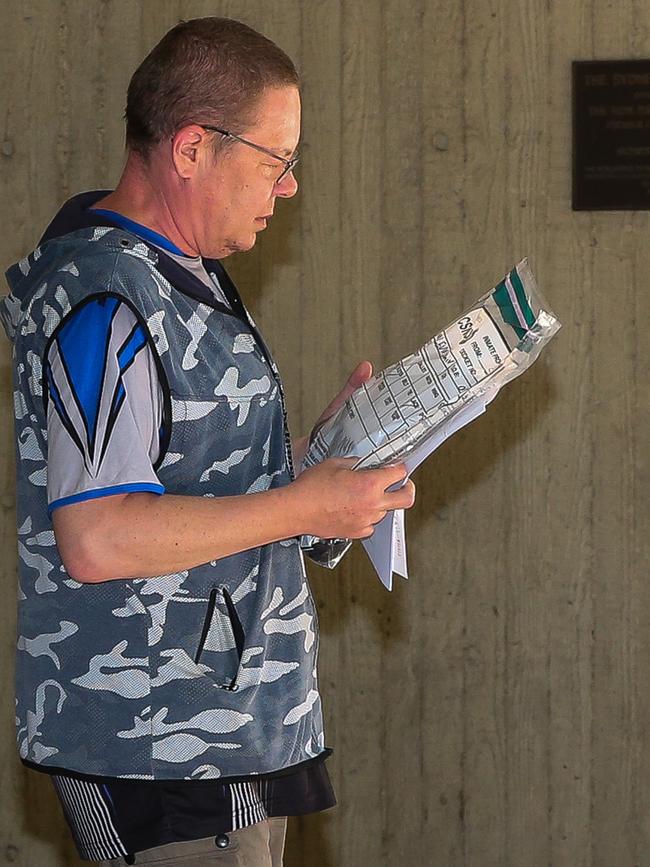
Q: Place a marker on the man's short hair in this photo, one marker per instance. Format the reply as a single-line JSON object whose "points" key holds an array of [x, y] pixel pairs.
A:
{"points": [[206, 70]]}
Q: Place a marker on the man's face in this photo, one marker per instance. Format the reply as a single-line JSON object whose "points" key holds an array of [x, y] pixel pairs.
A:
{"points": [[233, 195]]}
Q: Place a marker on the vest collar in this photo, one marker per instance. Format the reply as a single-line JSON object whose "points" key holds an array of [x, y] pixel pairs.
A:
{"points": [[77, 214]]}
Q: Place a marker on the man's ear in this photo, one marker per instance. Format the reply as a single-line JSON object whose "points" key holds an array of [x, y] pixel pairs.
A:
{"points": [[186, 148]]}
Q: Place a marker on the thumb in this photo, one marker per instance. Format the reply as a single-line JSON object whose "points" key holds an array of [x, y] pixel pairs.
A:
{"points": [[361, 373]]}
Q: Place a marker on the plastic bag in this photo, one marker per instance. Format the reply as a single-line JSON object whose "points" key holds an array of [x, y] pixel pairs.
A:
{"points": [[392, 414]]}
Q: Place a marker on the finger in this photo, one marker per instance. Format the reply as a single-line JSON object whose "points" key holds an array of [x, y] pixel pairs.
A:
{"points": [[389, 473], [402, 499], [392, 474], [343, 463], [409, 493], [361, 373]]}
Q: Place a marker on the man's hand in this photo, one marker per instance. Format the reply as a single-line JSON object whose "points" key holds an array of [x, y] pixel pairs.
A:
{"points": [[337, 502], [361, 373]]}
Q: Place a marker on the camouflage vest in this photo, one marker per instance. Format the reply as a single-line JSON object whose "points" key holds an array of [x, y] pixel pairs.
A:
{"points": [[208, 672]]}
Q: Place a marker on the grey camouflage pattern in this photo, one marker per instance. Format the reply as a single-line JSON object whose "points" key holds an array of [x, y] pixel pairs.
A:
{"points": [[107, 675]]}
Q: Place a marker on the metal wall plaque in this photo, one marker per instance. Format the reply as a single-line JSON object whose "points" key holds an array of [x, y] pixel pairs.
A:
{"points": [[611, 135]]}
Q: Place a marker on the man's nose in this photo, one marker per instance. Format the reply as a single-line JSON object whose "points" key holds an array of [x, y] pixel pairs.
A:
{"points": [[287, 187]]}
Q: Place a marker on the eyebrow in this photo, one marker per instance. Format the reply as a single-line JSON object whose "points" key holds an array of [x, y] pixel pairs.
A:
{"points": [[287, 152]]}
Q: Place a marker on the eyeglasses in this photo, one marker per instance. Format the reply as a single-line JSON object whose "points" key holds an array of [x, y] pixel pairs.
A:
{"points": [[289, 164]]}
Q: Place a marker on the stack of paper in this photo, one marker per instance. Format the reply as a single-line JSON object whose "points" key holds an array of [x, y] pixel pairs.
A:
{"points": [[387, 545]]}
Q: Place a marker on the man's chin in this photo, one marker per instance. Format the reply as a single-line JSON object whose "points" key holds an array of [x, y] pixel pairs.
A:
{"points": [[238, 246]]}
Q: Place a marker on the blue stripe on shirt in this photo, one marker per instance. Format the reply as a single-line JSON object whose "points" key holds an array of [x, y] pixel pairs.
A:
{"points": [[98, 493]]}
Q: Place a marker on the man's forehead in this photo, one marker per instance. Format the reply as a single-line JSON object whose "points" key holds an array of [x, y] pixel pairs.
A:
{"points": [[278, 117]]}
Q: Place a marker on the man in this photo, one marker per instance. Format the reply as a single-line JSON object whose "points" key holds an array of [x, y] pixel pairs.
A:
{"points": [[166, 665]]}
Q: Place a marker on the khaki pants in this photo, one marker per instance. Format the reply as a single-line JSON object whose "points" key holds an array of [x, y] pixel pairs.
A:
{"points": [[259, 845]]}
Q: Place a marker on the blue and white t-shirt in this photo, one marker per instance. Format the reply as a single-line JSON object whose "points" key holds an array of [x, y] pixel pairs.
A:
{"points": [[105, 414]]}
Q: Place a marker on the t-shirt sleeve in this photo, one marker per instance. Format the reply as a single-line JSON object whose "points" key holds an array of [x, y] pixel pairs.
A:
{"points": [[105, 405]]}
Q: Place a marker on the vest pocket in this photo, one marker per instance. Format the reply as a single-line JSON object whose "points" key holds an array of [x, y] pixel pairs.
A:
{"points": [[222, 639], [206, 624]]}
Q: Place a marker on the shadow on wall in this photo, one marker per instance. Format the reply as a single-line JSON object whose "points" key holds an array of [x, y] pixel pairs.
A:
{"points": [[276, 246], [43, 823], [446, 480], [314, 829]]}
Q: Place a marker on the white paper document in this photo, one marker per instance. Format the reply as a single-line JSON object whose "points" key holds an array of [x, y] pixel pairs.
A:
{"points": [[387, 545]]}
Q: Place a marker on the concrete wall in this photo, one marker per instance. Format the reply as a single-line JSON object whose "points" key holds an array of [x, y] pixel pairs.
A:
{"points": [[492, 710]]}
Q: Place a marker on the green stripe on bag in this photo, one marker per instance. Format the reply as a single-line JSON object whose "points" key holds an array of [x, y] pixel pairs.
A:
{"points": [[520, 292], [502, 298]]}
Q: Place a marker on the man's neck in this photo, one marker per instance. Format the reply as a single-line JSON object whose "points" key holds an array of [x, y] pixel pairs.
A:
{"points": [[135, 198]]}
